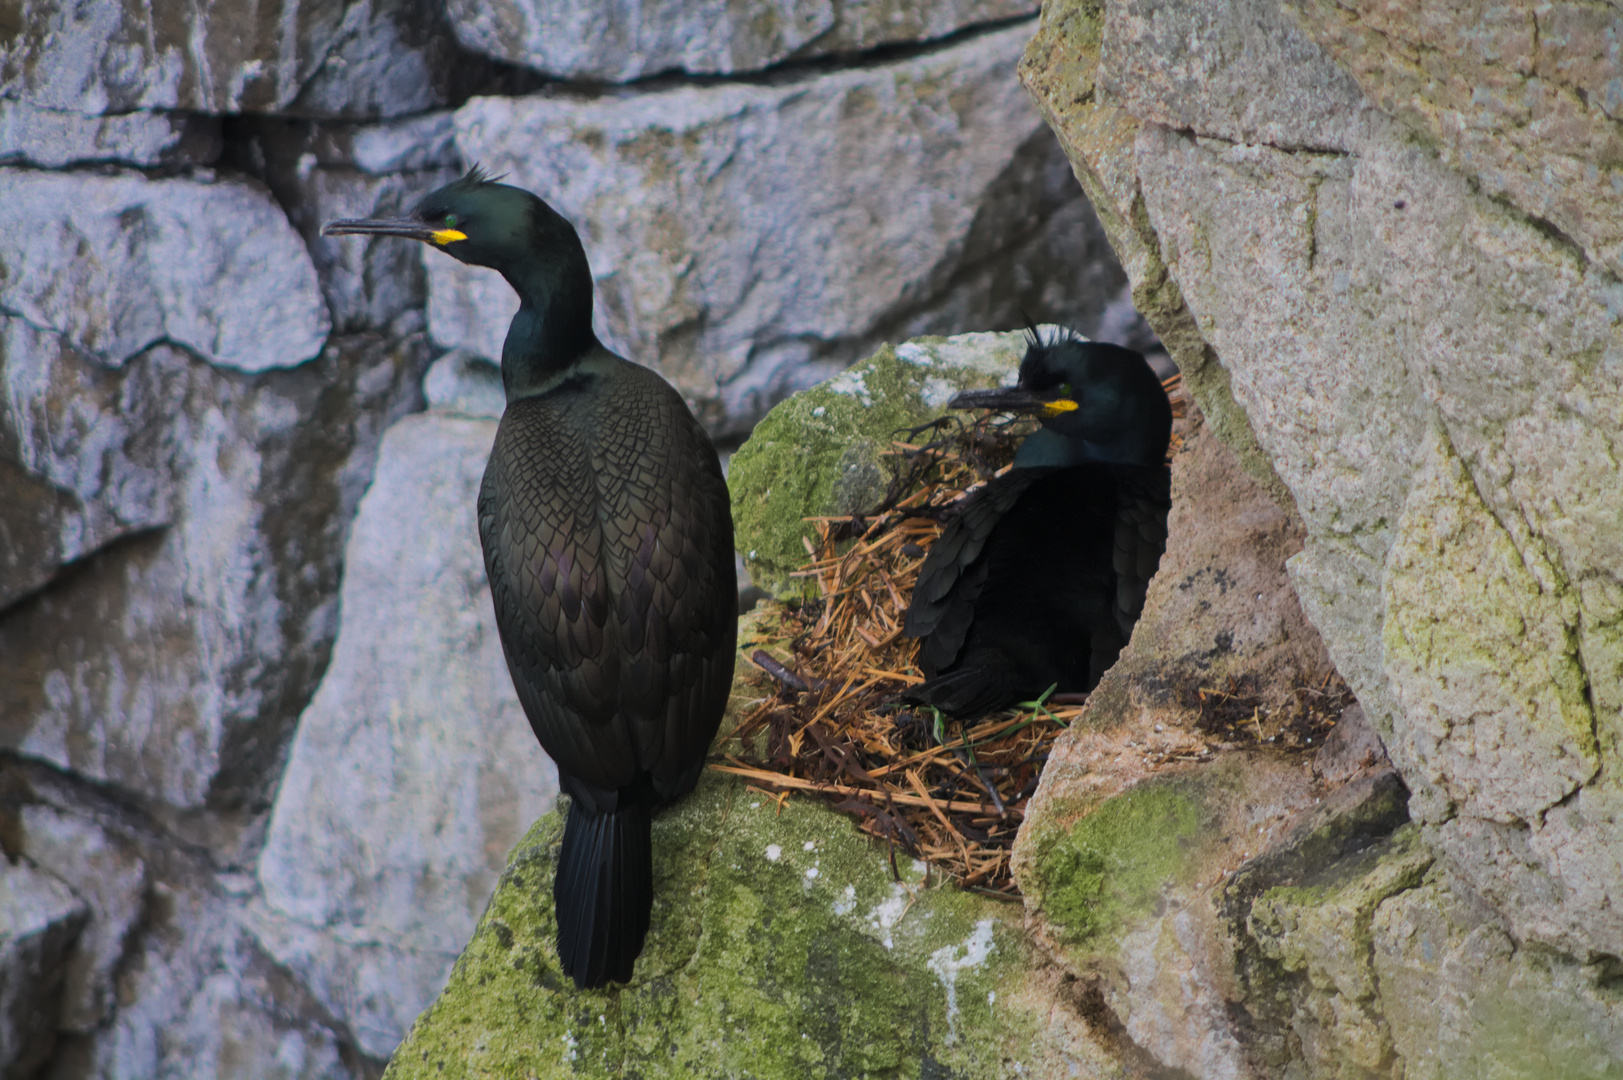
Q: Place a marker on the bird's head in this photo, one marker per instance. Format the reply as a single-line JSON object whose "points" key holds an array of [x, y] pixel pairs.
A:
{"points": [[474, 219], [1096, 402]]}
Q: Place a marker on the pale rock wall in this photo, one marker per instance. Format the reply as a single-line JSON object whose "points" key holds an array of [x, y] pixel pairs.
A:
{"points": [[1421, 329], [266, 796]]}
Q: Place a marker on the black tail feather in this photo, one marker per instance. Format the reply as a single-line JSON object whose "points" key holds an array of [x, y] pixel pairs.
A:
{"points": [[603, 893]]}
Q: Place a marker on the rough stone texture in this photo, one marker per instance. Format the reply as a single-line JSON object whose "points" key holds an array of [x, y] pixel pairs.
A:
{"points": [[630, 39], [331, 57], [1524, 99], [1465, 999], [323, 171], [118, 263], [1123, 845], [111, 879], [204, 1000], [51, 139], [39, 919], [780, 946], [823, 451], [189, 482], [414, 769], [1383, 304], [756, 237]]}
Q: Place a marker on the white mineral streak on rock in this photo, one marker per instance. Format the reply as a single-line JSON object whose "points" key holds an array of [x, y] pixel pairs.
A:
{"points": [[950, 961]]}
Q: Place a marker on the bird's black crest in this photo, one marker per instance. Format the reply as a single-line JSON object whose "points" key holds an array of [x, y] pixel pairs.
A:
{"points": [[476, 176]]}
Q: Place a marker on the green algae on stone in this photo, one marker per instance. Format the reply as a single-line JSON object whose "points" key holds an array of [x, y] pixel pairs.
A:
{"points": [[780, 947], [1479, 645], [1108, 871], [823, 452], [1462, 998]]}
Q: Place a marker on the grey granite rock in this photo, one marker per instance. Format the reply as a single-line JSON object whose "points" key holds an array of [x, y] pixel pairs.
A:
{"points": [[117, 263], [171, 664], [629, 39], [751, 238], [111, 879], [330, 57], [52, 139], [326, 170], [1420, 333], [414, 769], [199, 998], [39, 920]]}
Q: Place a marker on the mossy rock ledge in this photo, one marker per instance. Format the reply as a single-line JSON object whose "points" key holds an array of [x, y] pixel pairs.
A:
{"points": [[781, 946]]}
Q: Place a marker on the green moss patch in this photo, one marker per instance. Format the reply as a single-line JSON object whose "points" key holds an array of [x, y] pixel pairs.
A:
{"points": [[780, 946], [825, 450], [1110, 869]]}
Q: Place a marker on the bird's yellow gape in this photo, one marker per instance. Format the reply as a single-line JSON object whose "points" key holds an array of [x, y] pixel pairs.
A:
{"points": [[446, 236]]}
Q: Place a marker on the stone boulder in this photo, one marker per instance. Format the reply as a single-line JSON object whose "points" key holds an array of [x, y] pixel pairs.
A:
{"points": [[336, 57], [414, 770], [781, 945], [756, 237], [628, 39], [173, 572], [1408, 329], [118, 263]]}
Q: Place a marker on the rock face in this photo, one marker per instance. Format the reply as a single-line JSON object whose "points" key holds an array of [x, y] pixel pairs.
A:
{"points": [[334, 58], [1369, 300], [628, 39], [755, 237], [414, 769], [1419, 330], [270, 767], [39, 919]]}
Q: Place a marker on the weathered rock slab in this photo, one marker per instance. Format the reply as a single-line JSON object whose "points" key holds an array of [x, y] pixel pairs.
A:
{"points": [[630, 39], [753, 237], [1419, 340], [414, 770], [334, 57], [118, 263], [111, 880], [49, 138], [206, 513], [39, 920]]}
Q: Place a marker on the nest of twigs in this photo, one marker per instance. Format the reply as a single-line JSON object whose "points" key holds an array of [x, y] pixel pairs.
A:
{"points": [[948, 792]]}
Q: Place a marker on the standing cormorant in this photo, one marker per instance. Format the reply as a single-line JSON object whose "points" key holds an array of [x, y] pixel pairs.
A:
{"points": [[1038, 580], [608, 544]]}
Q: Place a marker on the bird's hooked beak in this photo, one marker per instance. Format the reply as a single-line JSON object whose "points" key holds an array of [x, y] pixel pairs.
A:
{"points": [[1012, 399], [409, 228]]}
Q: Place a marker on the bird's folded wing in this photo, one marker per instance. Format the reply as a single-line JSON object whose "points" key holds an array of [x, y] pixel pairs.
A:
{"points": [[953, 573]]}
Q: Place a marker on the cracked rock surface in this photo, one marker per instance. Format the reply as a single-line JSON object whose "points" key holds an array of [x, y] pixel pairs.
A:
{"points": [[260, 761], [1408, 333]]}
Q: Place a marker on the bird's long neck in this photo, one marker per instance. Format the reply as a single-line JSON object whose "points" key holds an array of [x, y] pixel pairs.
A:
{"points": [[553, 327]]}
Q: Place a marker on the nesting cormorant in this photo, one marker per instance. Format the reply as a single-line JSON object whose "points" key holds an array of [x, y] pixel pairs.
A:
{"points": [[608, 544], [1038, 580]]}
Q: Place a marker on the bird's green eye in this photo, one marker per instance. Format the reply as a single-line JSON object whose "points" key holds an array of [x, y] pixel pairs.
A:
{"points": [[450, 221], [1065, 388]]}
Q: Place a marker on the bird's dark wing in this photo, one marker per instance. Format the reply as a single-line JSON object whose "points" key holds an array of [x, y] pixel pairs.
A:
{"points": [[608, 543], [1144, 497], [943, 604]]}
